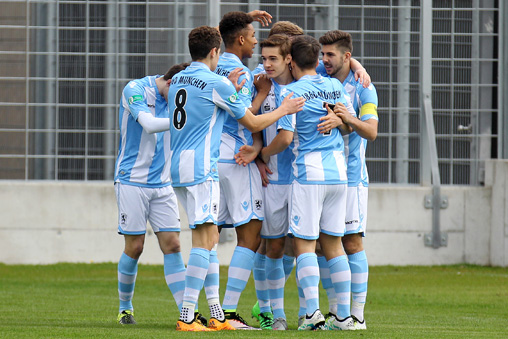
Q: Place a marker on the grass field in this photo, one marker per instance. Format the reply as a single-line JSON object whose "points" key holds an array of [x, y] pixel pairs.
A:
{"points": [[80, 301]]}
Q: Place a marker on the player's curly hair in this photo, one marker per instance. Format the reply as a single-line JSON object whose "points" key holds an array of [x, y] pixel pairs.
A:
{"points": [[175, 69], [340, 39], [287, 28], [202, 40], [278, 40], [305, 51], [231, 26]]}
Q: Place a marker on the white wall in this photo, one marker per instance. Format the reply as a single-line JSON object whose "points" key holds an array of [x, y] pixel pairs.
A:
{"points": [[47, 222]]}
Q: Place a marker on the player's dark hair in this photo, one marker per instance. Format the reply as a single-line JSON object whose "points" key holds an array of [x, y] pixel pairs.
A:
{"points": [[231, 26], [278, 40], [340, 39], [202, 40], [287, 28], [305, 51], [175, 69]]}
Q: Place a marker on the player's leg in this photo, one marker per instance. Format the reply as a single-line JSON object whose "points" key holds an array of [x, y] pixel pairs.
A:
{"points": [[165, 221], [332, 229], [276, 281], [353, 245], [259, 272], [326, 281], [132, 208], [304, 211], [242, 195]]}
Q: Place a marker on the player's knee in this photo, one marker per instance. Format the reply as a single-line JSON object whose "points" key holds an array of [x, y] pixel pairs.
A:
{"points": [[352, 243]]}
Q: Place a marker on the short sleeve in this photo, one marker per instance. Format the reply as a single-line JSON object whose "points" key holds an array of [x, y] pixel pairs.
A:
{"points": [[134, 99], [369, 101], [225, 97]]}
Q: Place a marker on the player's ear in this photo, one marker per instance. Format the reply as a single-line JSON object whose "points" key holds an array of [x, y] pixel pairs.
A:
{"points": [[168, 82], [241, 39], [288, 59]]}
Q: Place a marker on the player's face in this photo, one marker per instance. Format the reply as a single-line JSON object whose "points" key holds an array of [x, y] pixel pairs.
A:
{"points": [[273, 62], [333, 59], [249, 41]]}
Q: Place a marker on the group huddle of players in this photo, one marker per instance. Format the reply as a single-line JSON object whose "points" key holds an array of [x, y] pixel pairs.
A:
{"points": [[278, 153]]}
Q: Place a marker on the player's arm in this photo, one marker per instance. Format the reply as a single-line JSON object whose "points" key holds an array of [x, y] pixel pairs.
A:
{"points": [[262, 17], [360, 72], [256, 123], [367, 129], [263, 86], [152, 124], [281, 141], [331, 121], [247, 153]]}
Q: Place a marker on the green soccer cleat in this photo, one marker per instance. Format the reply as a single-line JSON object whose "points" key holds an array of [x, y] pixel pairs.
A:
{"points": [[256, 311], [126, 317], [266, 321]]}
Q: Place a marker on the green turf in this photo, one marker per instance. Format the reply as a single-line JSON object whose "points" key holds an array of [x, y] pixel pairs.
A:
{"points": [[80, 301]]}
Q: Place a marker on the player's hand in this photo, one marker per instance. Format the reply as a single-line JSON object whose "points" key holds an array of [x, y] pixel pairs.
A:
{"points": [[363, 76], [234, 75], [329, 121], [342, 112], [263, 171], [261, 16], [246, 155], [263, 83], [292, 105]]}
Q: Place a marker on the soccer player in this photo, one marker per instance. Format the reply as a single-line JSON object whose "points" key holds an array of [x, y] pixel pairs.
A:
{"points": [[143, 188], [202, 99], [317, 203], [241, 199], [337, 47]]}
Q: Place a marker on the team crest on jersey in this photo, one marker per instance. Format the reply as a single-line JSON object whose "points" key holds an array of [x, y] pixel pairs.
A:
{"points": [[233, 98], [135, 98], [123, 218], [258, 203], [245, 91]]}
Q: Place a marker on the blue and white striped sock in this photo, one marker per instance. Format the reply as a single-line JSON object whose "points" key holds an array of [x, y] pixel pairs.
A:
{"points": [[359, 278], [276, 280], [238, 275], [259, 273], [212, 287], [302, 310], [341, 279], [289, 263], [127, 272], [308, 273], [326, 281], [197, 268], [174, 271]]}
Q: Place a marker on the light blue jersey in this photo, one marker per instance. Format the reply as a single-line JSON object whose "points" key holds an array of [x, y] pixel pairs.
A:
{"points": [[319, 158], [356, 145], [279, 164], [234, 134], [143, 158], [202, 99]]}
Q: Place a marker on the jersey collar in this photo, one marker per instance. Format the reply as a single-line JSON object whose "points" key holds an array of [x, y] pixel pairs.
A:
{"points": [[228, 55]]}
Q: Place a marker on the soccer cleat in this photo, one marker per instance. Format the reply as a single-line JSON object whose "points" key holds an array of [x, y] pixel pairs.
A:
{"points": [[237, 321], [256, 311], [126, 317], [194, 326], [200, 319], [280, 324], [301, 318], [217, 325], [313, 323], [266, 320], [346, 324], [359, 325]]}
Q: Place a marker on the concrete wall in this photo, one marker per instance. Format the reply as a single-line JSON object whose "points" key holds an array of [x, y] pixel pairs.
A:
{"points": [[48, 222]]}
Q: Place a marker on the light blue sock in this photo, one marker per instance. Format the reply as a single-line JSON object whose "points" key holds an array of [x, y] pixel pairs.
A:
{"points": [[326, 281], [238, 275], [308, 273], [302, 310], [289, 263], [276, 280], [197, 268], [359, 277], [341, 279], [127, 272], [174, 271], [259, 273], [212, 278]]}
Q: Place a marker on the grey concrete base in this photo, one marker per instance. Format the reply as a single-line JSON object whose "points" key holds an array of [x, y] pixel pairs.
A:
{"points": [[48, 222]]}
